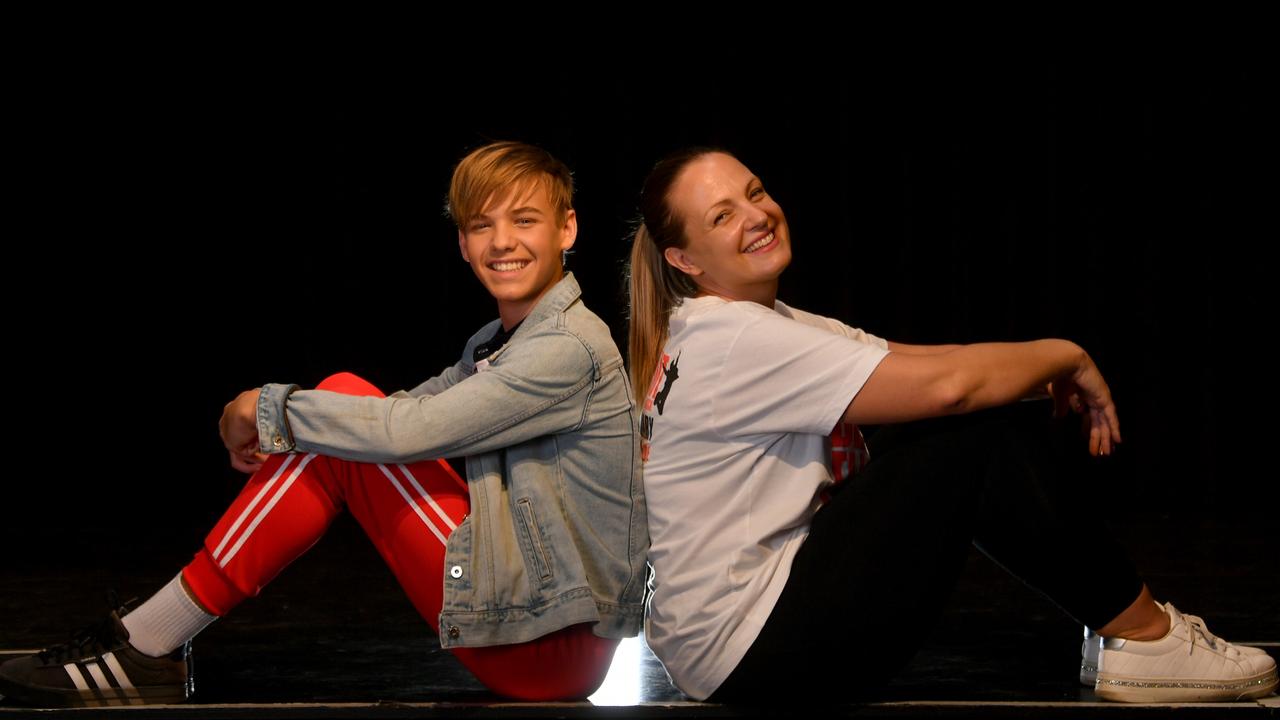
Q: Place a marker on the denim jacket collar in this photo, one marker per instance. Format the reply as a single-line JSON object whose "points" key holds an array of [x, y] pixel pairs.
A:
{"points": [[563, 294]]}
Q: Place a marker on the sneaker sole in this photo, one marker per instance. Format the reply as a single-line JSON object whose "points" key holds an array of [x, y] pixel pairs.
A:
{"points": [[1120, 689], [60, 697]]}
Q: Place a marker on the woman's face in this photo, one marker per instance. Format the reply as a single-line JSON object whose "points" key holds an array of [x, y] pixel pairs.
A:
{"points": [[737, 238]]}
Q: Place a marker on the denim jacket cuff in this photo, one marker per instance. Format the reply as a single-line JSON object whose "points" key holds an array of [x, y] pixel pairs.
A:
{"points": [[273, 425]]}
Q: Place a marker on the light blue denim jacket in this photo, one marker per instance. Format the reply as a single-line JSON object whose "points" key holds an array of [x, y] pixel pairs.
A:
{"points": [[557, 533]]}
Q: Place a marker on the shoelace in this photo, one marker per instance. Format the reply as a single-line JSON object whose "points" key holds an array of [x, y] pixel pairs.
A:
{"points": [[91, 639], [1195, 626]]}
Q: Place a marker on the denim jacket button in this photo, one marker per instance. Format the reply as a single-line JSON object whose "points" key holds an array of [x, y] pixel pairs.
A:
{"points": [[454, 632], [277, 441], [456, 571]]}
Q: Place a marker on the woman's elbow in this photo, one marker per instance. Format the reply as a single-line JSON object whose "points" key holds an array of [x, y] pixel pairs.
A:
{"points": [[951, 395]]}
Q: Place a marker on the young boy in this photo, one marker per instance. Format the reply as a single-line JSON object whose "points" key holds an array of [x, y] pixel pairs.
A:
{"points": [[530, 570]]}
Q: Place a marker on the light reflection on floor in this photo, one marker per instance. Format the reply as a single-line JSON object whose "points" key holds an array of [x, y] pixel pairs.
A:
{"points": [[623, 683]]}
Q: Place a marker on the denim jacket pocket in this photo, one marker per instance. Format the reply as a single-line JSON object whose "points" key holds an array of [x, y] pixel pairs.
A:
{"points": [[535, 549], [458, 568]]}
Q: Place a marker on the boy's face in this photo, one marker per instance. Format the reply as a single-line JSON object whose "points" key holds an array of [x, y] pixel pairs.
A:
{"points": [[514, 248]]}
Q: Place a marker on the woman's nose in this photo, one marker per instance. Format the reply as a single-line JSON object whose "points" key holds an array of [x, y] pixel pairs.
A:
{"points": [[755, 218]]}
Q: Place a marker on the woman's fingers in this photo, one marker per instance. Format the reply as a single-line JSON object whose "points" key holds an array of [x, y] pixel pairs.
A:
{"points": [[1113, 419], [1104, 430]]}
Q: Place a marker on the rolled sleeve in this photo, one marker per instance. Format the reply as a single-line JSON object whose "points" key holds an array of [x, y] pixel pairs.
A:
{"points": [[273, 423]]}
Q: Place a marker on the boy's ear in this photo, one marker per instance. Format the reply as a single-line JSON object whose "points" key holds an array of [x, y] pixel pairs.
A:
{"points": [[462, 245], [569, 230]]}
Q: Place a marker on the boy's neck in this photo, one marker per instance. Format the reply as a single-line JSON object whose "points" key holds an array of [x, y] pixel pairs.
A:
{"points": [[513, 313]]}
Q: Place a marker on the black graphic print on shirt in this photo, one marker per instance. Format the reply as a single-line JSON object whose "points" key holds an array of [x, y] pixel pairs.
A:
{"points": [[665, 375]]}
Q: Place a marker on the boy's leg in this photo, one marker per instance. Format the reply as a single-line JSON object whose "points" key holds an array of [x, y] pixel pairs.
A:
{"points": [[284, 508], [568, 664], [408, 511]]}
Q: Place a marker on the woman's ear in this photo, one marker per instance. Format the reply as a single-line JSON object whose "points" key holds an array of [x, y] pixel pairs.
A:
{"points": [[681, 261]]}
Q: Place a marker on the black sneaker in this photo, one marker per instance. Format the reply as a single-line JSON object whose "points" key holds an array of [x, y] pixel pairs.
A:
{"points": [[97, 667]]}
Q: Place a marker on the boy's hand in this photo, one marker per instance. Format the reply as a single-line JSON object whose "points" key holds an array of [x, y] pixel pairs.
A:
{"points": [[239, 430]]}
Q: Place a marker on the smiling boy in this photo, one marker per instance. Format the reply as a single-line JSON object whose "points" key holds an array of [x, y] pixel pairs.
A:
{"points": [[530, 571]]}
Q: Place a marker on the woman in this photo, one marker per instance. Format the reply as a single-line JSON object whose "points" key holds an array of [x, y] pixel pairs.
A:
{"points": [[763, 584]]}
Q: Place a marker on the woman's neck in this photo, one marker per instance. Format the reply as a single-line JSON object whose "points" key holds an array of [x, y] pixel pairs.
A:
{"points": [[765, 294]]}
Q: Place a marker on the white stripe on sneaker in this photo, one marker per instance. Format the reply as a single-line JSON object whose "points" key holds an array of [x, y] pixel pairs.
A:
{"points": [[112, 683], [430, 501], [103, 684], [77, 677], [240, 520], [421, 515], [118, 673], [266, 509]]}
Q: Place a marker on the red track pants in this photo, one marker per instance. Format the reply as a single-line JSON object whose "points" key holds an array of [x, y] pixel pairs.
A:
{"points": [[407, 511]]}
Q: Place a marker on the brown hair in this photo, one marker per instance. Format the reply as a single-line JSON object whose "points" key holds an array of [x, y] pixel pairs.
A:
{"points": [[490, 172], [655, 285]]}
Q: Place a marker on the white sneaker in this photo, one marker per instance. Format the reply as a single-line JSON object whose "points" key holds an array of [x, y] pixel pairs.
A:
{"points": [[1189, 664]]}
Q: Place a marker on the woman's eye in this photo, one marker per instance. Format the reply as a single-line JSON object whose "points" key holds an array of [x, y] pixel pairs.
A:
{"points": [[758, 192], [720, 217]]}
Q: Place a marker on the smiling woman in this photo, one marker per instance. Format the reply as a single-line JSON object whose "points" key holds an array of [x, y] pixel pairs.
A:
{"points": [[747, 242], [790, 556]]}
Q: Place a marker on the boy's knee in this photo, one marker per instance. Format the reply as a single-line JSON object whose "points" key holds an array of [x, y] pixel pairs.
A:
{"points": [[349, 384]]}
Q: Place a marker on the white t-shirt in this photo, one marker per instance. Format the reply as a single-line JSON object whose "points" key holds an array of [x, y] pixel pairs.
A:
{"points": [[736, 423]]}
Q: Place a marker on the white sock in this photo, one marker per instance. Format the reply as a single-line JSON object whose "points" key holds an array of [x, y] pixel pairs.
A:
{"points": [[166, 621]]}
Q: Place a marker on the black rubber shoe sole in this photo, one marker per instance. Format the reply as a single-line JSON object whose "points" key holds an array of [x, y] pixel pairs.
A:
{"points": [[70, 697]]}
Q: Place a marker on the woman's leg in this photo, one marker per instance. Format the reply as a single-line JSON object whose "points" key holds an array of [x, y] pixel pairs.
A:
{"points": [[1039, 521], [884, 553]]}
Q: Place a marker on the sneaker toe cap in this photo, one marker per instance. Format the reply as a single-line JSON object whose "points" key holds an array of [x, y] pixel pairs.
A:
{"points": [[1255, 664]]}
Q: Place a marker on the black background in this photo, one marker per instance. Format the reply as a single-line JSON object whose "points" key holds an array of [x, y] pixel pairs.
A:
{"points": [[181, 229]]}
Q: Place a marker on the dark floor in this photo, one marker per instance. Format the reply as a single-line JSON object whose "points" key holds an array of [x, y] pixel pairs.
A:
{"points": [[335, 633]]}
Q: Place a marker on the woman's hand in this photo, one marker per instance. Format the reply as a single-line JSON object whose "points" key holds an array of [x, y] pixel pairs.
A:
{"points": [[239, 430], [1086, 393]]}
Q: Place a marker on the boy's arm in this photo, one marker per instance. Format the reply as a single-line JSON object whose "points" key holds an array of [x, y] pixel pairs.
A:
{"points": [[451, 376], [536, 388]]}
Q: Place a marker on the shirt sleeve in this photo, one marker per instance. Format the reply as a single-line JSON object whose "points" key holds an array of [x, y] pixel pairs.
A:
{"points": [[835, 326], [536, 387], [782, 375]]}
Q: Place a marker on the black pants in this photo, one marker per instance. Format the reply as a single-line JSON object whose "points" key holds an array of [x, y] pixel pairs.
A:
{"points": [[884, 554]]}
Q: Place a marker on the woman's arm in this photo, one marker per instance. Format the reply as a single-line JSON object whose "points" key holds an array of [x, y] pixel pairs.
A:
{"points": [[906, 349], [972, 377]]}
